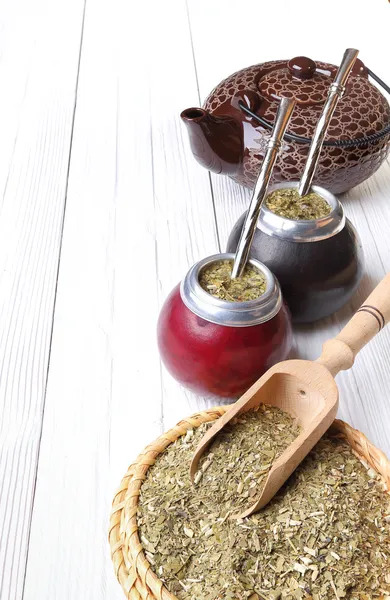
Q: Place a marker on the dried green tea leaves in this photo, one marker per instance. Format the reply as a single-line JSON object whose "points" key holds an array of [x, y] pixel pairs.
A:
{"points": [[216, 280], [325, 536], [236, 466], [290, 204]]}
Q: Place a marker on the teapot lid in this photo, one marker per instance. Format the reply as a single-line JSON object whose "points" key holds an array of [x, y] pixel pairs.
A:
{"points": [[362, 111], [306, 85], [302, 80]]}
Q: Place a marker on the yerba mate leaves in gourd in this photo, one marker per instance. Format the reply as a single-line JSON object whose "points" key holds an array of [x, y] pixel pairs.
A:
{"points": [[325, 536], [216, 280], [290, 204]]}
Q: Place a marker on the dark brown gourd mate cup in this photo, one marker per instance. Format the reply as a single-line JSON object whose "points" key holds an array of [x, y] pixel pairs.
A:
{"points": [[318, 263]]}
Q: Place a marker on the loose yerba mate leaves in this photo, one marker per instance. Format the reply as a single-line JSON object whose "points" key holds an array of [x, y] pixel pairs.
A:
{"points": [[290, 204], [326, 535], [216, 280]]}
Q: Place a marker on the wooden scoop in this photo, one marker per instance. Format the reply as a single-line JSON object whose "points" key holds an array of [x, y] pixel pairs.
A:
{"points": [[307, 390]]}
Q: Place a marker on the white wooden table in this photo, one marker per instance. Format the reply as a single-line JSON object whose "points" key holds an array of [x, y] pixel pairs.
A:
{"points": [[99, 187]]}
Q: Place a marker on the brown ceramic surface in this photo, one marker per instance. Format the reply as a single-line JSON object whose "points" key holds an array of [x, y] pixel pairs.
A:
{"points": [[236, 145]]}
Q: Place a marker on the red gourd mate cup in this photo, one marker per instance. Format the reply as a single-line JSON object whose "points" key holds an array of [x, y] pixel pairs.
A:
{"points": [[217, 347]]}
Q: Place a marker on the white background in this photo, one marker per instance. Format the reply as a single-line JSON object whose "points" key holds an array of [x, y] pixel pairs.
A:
{"points": [[98, 189]]}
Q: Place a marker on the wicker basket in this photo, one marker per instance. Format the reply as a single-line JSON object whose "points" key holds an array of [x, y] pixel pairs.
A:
{"points": [[132, 568]]}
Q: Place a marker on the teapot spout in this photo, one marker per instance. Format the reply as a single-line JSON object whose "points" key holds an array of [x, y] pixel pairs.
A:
{"points": [[216, 141]]}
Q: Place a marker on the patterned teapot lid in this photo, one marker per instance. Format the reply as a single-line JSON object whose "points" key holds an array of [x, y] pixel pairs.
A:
{"points": [[362, 111], [303, 80], [299, 80]]}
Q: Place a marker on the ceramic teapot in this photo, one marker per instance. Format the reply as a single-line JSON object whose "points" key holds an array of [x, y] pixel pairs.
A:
{"points": [[229, 134]]}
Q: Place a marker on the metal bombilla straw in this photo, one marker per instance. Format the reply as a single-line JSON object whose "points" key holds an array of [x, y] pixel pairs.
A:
{"points": [[285, 110], [336, 91]]}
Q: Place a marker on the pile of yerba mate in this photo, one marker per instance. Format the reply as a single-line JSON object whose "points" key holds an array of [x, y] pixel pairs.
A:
{"points": [[325, 536]]}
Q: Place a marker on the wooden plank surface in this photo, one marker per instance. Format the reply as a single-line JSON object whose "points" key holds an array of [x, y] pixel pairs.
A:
{"points": [[139, 212], [39, 52]]}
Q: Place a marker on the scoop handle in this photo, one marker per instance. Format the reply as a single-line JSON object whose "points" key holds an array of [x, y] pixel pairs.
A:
{"points": [[339, 354]]}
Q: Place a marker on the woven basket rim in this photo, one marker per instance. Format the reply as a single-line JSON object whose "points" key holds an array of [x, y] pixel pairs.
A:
{"points": [[132, 569]]}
